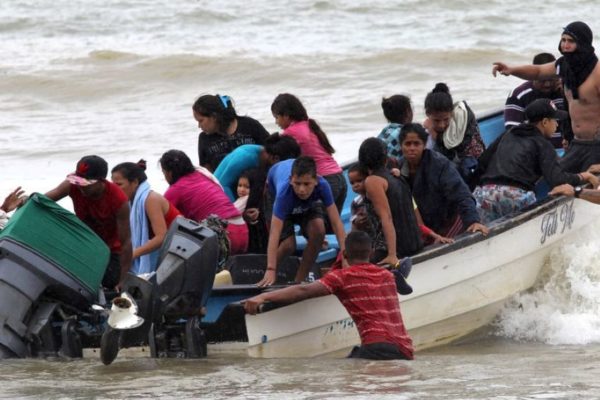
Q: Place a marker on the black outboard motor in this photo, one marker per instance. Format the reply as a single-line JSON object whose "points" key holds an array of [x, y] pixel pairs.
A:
{"points": [[172, 307], [185, 277], [189, 258]]}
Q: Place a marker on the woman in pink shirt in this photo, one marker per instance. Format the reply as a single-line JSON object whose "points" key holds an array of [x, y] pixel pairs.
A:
{"points": [[197, 196], [290, 115]]}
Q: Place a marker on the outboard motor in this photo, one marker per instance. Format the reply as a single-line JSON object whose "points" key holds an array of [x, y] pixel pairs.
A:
{"points": [[186, 273], [189, 258], [51, 266], [173, 306]]}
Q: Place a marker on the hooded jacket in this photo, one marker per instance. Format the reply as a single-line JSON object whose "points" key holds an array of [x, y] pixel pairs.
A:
{"points": [[440, 192], [520, 157]]}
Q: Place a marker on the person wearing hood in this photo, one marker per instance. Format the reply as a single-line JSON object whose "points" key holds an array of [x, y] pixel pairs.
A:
{"points": [[580, 73], [515, 161]]}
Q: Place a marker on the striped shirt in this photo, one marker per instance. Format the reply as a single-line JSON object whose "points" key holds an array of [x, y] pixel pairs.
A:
{"points": [[521, 97], [368, 293]]}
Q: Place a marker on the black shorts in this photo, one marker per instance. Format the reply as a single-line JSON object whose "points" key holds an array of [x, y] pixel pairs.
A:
{"points": [[378, 351], [316, 211], [580, 155], [113, 272], [339, 189]]}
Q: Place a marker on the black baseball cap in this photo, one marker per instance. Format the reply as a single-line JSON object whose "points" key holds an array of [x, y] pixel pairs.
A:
{"points": [[543, 108], [90, 169]]}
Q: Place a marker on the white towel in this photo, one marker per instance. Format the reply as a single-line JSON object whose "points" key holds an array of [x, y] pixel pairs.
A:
{"points": [[140, 231], [455, 133]]}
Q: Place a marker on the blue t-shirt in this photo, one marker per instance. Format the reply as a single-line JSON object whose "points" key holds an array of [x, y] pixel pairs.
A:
{"points": [[229, 170], [286, 202]]}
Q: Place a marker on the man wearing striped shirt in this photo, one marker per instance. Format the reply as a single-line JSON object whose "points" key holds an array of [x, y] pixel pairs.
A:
{"points": [[367, 291], [527, 92]]}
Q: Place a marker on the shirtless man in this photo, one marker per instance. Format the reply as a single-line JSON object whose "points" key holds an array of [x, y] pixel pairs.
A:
{"points": [[580, 73]]}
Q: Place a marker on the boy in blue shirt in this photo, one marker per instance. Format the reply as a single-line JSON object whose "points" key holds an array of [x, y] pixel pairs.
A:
{"points": [[301, 197]]}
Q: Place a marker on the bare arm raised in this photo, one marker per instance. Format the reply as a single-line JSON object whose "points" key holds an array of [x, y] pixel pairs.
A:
{"points": [[529, 72], [60, 191], [13, 200]]}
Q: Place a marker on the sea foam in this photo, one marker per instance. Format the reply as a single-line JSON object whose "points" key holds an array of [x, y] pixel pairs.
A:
{"points": [[564, 307]]}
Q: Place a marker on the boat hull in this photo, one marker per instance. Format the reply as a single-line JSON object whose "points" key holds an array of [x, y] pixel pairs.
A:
{"points": [[457, 289]]}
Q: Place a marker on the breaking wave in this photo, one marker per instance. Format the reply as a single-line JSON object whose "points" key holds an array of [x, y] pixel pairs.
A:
{"points": [[565, 306]]}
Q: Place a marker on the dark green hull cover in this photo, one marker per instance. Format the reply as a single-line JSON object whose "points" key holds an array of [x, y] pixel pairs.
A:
{"points": [[59, 236]]}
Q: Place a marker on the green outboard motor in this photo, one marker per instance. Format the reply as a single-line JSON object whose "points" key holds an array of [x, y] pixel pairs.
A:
{"points": [[51, 267]]}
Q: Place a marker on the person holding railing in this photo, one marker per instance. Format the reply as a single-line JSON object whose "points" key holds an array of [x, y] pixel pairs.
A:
{"points": [[515, 162]]}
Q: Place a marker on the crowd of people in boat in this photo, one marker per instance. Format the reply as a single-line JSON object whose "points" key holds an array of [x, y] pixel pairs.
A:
{"points": [[415, 184]]}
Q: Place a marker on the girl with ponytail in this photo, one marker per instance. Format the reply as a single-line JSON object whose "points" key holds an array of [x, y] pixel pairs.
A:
{"points": [[291, 116], [222, 129]]}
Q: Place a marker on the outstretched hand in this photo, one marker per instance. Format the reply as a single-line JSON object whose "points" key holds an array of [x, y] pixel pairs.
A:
{"points": [[441, 239], [593, 180], [477, 227], [564, 189], [389, 260], [594, 169], [499, 67], [251, 215], [253, 304], [15, 199], [268, 279]]}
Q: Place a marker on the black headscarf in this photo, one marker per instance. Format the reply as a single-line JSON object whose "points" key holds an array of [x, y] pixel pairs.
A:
{"points": [[575, 67]]}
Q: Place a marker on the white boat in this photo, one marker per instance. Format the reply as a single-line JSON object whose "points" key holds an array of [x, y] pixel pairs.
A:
{"points": [[458, 288]]}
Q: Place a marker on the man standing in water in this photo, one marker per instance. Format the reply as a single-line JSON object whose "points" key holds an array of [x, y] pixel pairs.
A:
{"points": [[580, 73], [367, 291]]}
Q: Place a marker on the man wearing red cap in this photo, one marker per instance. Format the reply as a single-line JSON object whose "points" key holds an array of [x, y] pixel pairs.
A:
{"points": [[580, 73], [104, 207]]}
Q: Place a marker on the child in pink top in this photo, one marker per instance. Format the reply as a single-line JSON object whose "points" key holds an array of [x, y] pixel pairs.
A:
{"points": [[197, 197], [291, 116]]}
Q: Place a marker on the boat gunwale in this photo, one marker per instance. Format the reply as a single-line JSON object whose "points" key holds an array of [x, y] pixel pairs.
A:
{"points": [[497, 227]]}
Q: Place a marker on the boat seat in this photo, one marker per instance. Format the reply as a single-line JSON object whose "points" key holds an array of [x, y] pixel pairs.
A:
{"points": [[324, 255]]}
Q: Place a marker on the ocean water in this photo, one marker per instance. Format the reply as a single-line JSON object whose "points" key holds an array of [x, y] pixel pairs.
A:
{"points": [[118, 78]]}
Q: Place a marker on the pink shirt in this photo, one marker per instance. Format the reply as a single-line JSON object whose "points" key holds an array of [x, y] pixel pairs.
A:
{"points": [[197, 197], [310, 146]]}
